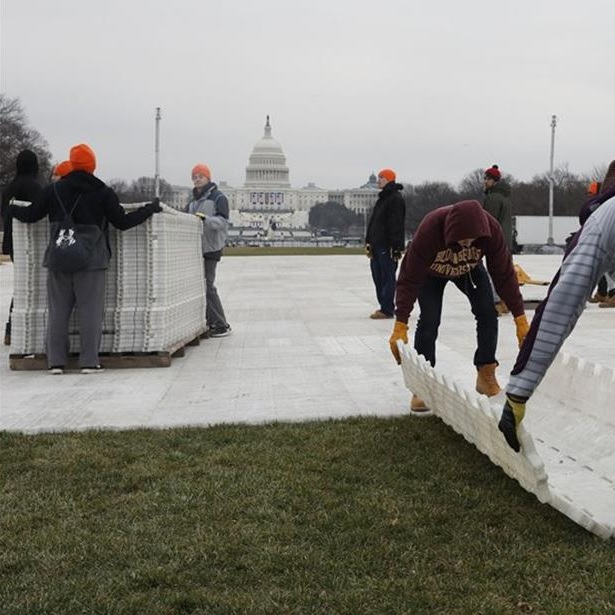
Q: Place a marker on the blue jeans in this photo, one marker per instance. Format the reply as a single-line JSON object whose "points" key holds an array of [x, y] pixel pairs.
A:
{"points": [[383, 273], [476, 287]]}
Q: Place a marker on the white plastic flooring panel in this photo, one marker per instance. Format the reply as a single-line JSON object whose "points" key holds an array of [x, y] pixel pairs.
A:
{"points": [[154, 294], [567, 457]]}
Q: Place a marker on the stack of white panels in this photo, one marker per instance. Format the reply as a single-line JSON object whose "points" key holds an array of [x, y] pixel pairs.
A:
{"points": [[155, 293], [29, 318]]}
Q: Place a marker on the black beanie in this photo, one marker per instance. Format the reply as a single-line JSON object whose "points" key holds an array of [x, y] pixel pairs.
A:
{"points": [[26, 163]]}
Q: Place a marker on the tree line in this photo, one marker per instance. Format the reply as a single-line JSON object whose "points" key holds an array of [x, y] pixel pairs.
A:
{"points": [[527, 197]]}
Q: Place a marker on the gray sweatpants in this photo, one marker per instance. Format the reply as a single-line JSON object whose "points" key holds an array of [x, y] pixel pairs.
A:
{"points": [[214, 312], [86, 291]]}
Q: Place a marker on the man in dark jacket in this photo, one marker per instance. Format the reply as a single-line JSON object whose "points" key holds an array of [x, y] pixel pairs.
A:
{"points": [[93, 204], [449, 245], [24, 187], [497, 203], [385, 241]]}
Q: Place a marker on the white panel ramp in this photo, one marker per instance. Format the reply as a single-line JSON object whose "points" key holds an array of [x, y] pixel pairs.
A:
{"points": [[567, 457]]}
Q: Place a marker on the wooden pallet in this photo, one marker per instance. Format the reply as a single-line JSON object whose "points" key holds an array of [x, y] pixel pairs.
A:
{"points": [[112, 360]]}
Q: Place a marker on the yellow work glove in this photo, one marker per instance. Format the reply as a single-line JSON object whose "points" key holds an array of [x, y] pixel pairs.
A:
{"points": [[400, 332], [368, 250], [523, 326], [512, 415]]}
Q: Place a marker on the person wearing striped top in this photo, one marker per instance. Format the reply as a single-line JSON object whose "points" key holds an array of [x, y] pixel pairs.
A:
{"points": [[590, 255]]}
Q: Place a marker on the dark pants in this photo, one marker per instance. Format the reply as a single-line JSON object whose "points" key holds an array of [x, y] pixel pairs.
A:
{"points": [[86, 291], [477, 288], [214, 312], [7, 327], [383, 273]]}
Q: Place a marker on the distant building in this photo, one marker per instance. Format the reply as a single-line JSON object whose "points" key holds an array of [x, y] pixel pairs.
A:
{"points": [[267, 201]]}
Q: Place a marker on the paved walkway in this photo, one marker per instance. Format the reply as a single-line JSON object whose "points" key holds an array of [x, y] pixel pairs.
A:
{"points": [[302, 349]]}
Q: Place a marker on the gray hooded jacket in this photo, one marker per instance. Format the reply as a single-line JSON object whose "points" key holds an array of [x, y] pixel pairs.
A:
{"points": [[213, 204]]}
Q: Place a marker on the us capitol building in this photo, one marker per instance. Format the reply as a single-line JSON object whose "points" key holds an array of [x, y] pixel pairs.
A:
{"points": [[267, 202]]}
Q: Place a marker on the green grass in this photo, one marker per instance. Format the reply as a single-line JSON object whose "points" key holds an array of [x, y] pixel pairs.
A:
{"points": [[272, 251], [364, 516]]}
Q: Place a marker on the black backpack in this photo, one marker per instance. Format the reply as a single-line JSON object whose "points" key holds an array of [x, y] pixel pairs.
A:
{"points": [[71, 246]]}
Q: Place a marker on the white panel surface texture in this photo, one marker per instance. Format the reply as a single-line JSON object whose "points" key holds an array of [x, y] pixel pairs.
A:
{"points": [[567, 457]]}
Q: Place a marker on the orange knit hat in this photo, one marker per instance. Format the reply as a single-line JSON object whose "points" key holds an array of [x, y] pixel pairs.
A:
{"points": [[387, 174], [201, 169], [83, 158], [62, 168]]}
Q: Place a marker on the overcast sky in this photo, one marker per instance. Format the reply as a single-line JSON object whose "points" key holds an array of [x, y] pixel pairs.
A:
{"points": [[433, 89]]}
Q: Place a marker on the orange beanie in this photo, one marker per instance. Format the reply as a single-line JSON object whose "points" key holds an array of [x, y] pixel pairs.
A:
{"points": [[387, 174], [201, 169], [62, 168], [83, 158]]}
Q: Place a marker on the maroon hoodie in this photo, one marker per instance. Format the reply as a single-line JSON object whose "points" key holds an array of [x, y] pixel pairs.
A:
{"points": [[435, 252]]}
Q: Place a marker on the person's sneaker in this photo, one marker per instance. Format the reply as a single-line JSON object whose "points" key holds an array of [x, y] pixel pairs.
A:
{"points": [[56, 370], [378, 315], [609, 302], [220, 331], [97, 369], [418, 407]]}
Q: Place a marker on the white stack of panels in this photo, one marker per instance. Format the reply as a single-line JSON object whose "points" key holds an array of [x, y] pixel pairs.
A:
{"points": [[155, 292], [29, 318]]}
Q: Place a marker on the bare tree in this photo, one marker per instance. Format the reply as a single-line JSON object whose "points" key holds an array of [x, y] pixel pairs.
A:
{"points": [[472, 186], [332, 217], [121, 188], [142, 189], [569, 194], [422, 199], [15, 136]]}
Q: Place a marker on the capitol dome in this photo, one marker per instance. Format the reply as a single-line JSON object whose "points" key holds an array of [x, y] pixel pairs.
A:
{"points": [[267, 164]]}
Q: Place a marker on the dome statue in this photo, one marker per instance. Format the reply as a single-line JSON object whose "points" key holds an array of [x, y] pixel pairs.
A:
{"points": [[267, 164]]}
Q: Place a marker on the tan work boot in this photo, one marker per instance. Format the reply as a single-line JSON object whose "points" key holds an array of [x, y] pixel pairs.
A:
{"points": [[486, 382], [378, 315], [597, 298], [417, 405], [609, 302]]}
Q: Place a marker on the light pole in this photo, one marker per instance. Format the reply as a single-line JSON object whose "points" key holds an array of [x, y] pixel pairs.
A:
{"points": [[157, 155], [550, 237]]}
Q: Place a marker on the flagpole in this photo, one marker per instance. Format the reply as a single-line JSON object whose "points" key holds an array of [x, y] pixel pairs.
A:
{"points": [[157, 156]]}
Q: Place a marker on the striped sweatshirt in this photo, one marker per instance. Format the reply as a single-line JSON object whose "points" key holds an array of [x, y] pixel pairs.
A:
{"points": [[556, 317]]}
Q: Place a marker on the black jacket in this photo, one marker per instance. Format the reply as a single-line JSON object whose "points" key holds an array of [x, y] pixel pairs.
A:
{"points": [[98, 204], [24, 187], [386, 224]]}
